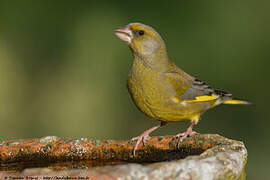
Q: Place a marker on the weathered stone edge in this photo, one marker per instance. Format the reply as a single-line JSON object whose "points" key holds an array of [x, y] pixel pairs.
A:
{"points": [[224, 159]]}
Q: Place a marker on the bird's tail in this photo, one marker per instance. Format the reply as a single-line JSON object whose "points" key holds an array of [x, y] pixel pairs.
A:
{"points": [[236, 101], [228, 99]]}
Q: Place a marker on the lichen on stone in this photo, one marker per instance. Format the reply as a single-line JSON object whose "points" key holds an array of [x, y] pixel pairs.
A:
{"points": [[202, 157]]}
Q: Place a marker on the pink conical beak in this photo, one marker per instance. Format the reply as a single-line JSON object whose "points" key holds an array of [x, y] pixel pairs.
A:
{"points": [[124, 33]]}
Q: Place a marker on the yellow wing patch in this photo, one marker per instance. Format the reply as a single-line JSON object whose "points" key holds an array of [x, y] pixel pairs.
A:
{"points": [[203, 98], [235, 101], [175, 99], [198, 99]]}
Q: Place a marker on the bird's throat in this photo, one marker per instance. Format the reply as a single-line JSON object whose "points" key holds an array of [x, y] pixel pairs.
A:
{"points": [[157, 61]]}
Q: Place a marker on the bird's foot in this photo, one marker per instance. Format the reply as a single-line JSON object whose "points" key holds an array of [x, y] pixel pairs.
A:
{"points": [[187, 133], [142, 138], [184, 135]]}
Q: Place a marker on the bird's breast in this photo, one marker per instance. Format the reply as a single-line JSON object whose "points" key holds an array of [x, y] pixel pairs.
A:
{"points": [[148, 89]]}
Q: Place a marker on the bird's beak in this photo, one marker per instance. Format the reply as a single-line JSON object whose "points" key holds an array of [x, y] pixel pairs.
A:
{"points": [[124, 33]]}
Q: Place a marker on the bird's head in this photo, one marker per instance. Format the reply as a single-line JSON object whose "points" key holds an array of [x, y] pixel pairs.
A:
{"points": [[142, 39]]}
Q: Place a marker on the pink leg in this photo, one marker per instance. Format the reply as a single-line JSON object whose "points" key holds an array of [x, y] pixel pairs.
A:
{"points": [[187, 133], [144, 136]]}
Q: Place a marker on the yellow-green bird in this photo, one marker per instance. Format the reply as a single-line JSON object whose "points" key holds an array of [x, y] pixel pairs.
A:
{"points": [[159, 88]]}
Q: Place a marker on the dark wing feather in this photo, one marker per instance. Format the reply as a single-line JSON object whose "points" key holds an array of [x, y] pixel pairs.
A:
{"points": [[199, 88]]}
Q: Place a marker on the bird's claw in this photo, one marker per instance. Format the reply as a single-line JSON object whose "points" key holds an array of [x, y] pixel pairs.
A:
{"points": [[184, 135], [142, 138]]}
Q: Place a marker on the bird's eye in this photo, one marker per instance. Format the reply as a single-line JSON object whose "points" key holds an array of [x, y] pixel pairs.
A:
{"points": [[141, 32]]}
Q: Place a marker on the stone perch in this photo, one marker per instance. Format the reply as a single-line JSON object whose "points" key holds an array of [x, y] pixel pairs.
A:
{"points": [[201, 156]]}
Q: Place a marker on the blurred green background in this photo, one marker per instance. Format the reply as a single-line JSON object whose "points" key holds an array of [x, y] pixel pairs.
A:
{"points": [[63, 72]]}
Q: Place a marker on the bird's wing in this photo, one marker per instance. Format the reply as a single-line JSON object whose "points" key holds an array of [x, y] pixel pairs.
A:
{"points": [[199, 91], [190, 89]]}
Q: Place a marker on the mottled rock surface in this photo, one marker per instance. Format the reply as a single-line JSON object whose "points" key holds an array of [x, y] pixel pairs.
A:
{"points": [[201, 156]]}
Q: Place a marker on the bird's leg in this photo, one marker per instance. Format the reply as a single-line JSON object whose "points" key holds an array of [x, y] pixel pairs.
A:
{"points": [[187, 133], [144, 136]]}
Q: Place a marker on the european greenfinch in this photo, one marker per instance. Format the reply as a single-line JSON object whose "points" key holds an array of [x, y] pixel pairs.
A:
{"points": [[159, 88]]}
